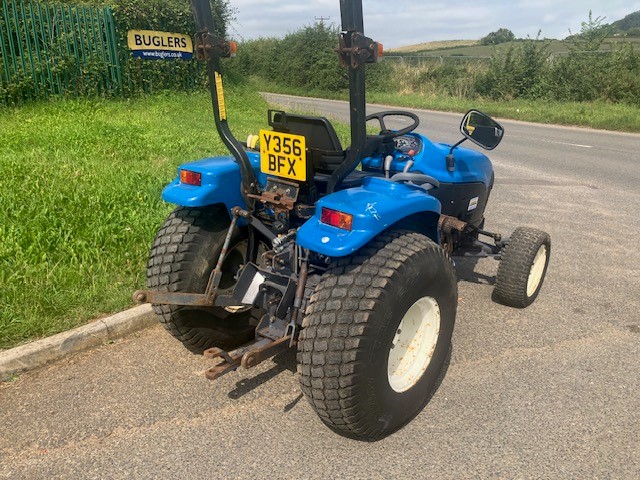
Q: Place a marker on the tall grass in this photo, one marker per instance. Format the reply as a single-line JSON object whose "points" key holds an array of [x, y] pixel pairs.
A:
{"points": [[434, 78], [80, 199]]}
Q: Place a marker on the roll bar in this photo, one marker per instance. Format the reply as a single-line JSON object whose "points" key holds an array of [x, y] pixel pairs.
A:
{"points": [[355, 51], [210, 48]]}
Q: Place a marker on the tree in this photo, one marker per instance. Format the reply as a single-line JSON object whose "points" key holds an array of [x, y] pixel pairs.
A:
{"points": [[502, 35], [592, 34]]}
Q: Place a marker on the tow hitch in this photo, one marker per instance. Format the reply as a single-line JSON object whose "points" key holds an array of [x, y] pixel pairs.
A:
{"points": [[247, 356]]}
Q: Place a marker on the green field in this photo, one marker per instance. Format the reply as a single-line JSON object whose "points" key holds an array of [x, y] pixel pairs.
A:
{"points": [[435, 49], [80, 203], [436, 45]]}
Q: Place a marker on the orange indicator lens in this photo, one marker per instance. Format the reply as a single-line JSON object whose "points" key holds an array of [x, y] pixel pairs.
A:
{"points": [[337, 219], [190, 178]]}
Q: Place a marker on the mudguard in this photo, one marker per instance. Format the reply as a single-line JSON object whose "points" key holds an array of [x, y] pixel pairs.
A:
{"points": [[220, 184], [375, 207]]}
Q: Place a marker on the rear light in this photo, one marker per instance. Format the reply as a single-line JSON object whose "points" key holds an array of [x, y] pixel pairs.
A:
{"points": [[190, 178], [337, 219]]}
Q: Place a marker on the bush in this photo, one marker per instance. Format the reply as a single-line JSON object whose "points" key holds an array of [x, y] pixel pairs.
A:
{"points": [[502, 35], [586, 73], [302, 59], [169, 16], [519, 71], [431, 77]]}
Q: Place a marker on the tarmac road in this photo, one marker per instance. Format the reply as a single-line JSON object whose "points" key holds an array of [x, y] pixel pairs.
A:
{"points": [[552, 391]]}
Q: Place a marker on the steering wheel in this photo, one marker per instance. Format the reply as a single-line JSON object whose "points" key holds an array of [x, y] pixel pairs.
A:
{"points": [[389, 134]]}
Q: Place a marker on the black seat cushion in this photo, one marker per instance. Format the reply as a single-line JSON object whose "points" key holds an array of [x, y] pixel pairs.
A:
{"points": [[318, 131], [322, 141]]}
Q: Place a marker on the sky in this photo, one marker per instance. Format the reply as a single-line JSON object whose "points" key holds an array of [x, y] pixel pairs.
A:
{"points": [[397, 23]]}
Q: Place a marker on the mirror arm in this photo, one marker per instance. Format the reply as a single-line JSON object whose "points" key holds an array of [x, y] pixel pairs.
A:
{"points": [[450, 158]]}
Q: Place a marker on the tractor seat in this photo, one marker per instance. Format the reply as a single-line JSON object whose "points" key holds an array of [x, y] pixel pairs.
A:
{"points": [[318, 131], [325, 151]]}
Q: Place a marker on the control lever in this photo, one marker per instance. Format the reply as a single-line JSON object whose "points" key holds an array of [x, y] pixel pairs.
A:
{"points": [[410, 162], [387, 165]]}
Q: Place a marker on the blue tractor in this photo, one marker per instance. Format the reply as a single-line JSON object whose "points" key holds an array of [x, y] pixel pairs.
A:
{"points": [[345, 254]]}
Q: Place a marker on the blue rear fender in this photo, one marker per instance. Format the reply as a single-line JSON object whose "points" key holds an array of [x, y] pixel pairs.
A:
{"points": [[220, 185], [376, 206]]}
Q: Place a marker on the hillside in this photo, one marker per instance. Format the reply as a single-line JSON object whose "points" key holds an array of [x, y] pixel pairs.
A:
{"points": [[485, 51], [438, 45], [629, 25]]}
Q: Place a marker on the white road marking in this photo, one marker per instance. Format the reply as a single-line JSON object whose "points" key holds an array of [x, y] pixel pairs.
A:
{"points": [[551, 141], [568, 144]]}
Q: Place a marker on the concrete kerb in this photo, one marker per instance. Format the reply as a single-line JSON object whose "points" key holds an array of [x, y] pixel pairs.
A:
{"points": [[50, 349]]}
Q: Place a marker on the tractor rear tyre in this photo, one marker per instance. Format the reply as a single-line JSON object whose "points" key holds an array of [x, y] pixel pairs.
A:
{"points": [[183, 255], [523, 267], [377, 335]]}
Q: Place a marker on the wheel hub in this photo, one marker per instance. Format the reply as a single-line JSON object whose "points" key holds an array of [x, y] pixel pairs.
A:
{"points": [[413, 344], [537, 269]]}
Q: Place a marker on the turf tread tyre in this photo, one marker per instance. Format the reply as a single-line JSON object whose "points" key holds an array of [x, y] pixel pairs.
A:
{"points": [[339, 329], [181, 259], [515, 265]]}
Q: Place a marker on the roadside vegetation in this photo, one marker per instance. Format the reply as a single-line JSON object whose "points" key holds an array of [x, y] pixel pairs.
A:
{"points": [[523, 80], [475, 50], [47, 51]]}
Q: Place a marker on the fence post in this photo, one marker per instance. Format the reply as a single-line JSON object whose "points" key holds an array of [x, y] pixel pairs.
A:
{"points": [[51, 29], [47, 76], [3, 49], [27, 37], [116, 70], [7, 19]]}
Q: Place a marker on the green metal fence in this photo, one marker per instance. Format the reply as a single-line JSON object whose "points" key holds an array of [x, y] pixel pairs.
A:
{"points": [[77, 50], [49, 49]]}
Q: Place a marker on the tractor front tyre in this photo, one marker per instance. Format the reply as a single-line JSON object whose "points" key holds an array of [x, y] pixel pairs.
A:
{"points": [[377, 335], [184, 253], [523, 267]]}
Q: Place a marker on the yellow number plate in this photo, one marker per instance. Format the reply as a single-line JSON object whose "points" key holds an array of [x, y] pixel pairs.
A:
{"points": [[283, 155]]}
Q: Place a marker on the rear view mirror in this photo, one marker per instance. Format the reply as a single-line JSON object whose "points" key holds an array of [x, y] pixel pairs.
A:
{"points": [[481, 129]]}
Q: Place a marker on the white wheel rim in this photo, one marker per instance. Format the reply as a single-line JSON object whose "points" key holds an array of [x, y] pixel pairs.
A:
{"points": [[413, 344], [537, 270]]}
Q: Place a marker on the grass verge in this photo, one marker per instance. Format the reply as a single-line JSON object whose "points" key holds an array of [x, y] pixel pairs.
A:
{"points": [[80, 204], [599, 115]]}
